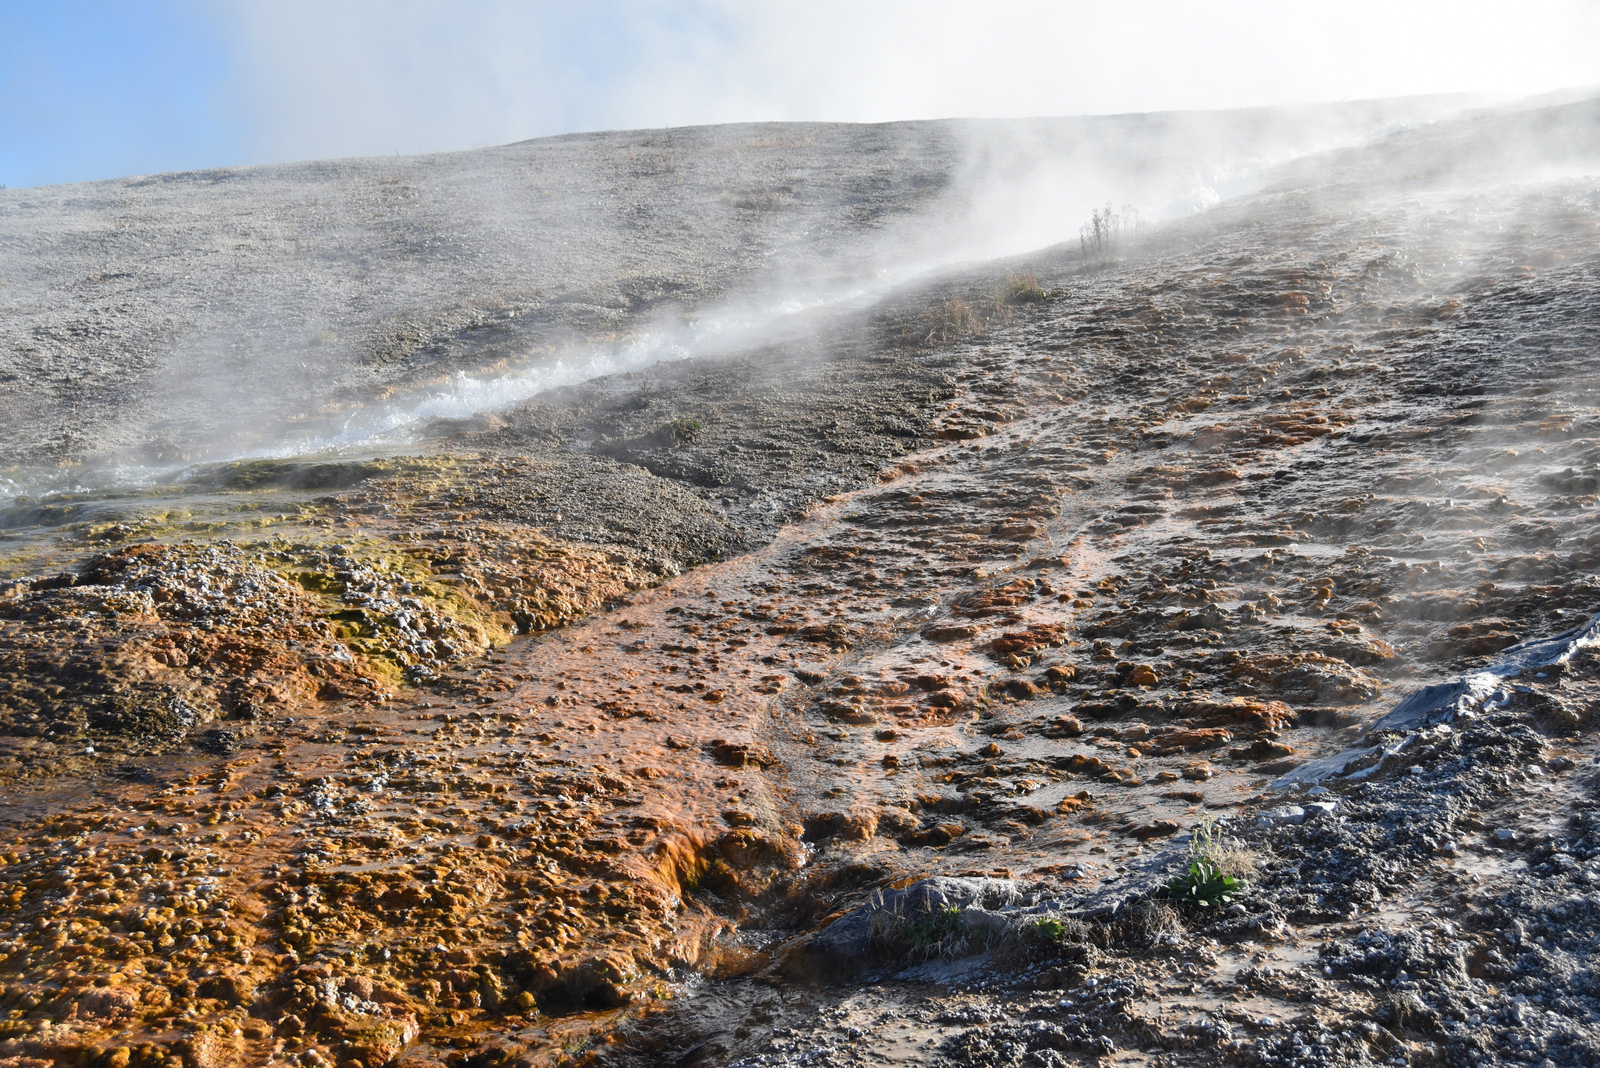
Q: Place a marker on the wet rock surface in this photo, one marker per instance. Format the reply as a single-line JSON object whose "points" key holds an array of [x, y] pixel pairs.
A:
{"points": [[573, 733], [1437, 913]]}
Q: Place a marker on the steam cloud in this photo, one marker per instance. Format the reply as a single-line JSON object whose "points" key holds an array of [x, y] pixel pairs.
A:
{"points": [[366, 78], [369, 77]]}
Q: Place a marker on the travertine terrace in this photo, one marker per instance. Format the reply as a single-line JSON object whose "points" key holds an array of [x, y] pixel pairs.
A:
{"points": [[564, 730]]}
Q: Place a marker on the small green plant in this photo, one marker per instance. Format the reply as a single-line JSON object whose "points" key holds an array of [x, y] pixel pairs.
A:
{"points": [[939, 932], [1205, 883], [677, 432], [1047, 929], [931, 930]]}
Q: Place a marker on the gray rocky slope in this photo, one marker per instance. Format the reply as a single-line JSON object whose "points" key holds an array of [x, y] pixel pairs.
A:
{"points": [[161, 318]]}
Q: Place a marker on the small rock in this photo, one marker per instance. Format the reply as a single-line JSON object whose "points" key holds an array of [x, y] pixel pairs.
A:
{"points": [[1265, 749], [1065, 727], [1286, 814], [1504, 834]]}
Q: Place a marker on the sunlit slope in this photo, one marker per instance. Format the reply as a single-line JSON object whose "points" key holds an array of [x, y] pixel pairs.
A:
{"points": [[158, 319]]}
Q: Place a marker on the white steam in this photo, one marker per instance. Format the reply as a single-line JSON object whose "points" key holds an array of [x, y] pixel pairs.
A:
{"points": [[384, 76]]}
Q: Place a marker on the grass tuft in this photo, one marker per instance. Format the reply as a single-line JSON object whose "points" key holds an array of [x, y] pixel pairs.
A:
{"points": [[939, 932], [952, 320], [1024, 289]]}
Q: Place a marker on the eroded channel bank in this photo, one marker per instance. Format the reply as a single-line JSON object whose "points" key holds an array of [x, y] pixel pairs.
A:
{"points": [[1015, 576]]}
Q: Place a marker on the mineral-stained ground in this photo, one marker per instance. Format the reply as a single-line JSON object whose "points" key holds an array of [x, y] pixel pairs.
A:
{"points": [[848, 696]]}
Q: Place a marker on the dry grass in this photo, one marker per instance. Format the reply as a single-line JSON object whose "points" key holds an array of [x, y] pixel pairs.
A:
{"points": [[960, 317], [1407, 1011], [952, 320], [1235, 859], [1142, 923], [1102, 237], [1023, 289], [1229, 855]]}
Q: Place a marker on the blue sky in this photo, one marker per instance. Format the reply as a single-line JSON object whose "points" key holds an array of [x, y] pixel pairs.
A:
{"points": [[95, 89]]}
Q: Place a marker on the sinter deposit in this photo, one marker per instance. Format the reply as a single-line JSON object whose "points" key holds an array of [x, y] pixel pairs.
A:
{"points": [[679, 598]]}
